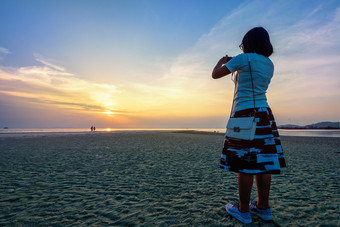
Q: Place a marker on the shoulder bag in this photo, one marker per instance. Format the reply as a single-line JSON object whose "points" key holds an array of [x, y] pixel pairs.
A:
{"points": [[243, 127]]}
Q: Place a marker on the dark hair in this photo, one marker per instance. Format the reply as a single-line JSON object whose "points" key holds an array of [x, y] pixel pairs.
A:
{"points": [[257, 41]]}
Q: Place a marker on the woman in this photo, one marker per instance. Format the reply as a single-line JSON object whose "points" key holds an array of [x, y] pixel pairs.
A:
{"points": [[262, 156]]}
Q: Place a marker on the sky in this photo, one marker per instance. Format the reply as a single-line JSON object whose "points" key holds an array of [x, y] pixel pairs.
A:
{"points": [[148, 63]]}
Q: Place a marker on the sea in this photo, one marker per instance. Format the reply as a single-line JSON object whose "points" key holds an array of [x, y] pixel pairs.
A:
{"points": [[282, 132]]}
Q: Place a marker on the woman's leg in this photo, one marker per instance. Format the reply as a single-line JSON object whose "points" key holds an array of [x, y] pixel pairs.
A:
{"points": [[245, 183], [263, 188]]}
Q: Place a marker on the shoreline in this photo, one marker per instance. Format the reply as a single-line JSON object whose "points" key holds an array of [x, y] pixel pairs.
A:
{"points": [[283, 133], [198, 132]]}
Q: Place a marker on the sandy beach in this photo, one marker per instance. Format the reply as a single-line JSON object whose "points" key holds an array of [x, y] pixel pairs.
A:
{"points": [[155, 178]]}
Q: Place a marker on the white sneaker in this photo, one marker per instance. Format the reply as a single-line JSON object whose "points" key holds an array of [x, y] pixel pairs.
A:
{"points": [[233, 210], [265, 214]]}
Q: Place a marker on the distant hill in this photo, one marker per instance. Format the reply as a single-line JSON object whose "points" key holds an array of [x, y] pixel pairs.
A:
{"points": [[290, 126], [320, 125]]}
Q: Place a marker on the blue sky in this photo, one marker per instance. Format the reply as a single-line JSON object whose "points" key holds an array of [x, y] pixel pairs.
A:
{"points": [[147, 64]]}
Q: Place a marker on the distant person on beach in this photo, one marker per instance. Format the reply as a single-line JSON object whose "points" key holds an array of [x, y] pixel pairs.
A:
{"points": [[91, 128], [262, 156], [94, 128]]}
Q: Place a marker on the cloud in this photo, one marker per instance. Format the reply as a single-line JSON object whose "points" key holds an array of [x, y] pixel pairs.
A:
{"points": [[48, 62], [309, 35], [306, 62], [52, 84], [306, 65], [307, 59], [3, 52], [187, 82]]}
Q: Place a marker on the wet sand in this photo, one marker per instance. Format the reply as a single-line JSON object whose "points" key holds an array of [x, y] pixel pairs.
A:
{"points": [[155, 179]]}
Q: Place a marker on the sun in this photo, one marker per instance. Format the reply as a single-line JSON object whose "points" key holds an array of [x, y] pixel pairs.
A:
{"points": [[109, 112]]}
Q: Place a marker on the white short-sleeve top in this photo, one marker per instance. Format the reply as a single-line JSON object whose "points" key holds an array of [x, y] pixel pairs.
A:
{"points": [[262, 70]]}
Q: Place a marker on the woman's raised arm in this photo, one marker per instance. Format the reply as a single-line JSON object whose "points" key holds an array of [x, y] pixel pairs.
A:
{"points": [[220, 69]]}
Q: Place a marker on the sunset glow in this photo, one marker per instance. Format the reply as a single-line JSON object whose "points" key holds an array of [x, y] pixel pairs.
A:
{"points": [[79, 65]]}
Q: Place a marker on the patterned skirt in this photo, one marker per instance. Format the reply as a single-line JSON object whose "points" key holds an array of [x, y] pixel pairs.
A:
{"points": [[259, 156]]}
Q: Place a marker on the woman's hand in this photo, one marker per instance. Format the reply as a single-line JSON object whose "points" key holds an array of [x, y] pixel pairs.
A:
{"points": [[223, 60], [220, 69]]}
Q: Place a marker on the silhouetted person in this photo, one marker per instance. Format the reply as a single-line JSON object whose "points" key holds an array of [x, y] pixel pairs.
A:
{"points": [[262, 156]]}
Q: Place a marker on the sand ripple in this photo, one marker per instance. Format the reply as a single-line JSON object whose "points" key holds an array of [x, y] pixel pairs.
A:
{"points": [[155, 178]]}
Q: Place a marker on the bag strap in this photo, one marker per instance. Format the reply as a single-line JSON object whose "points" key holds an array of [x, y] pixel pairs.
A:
{"points": [[252, 85]]}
